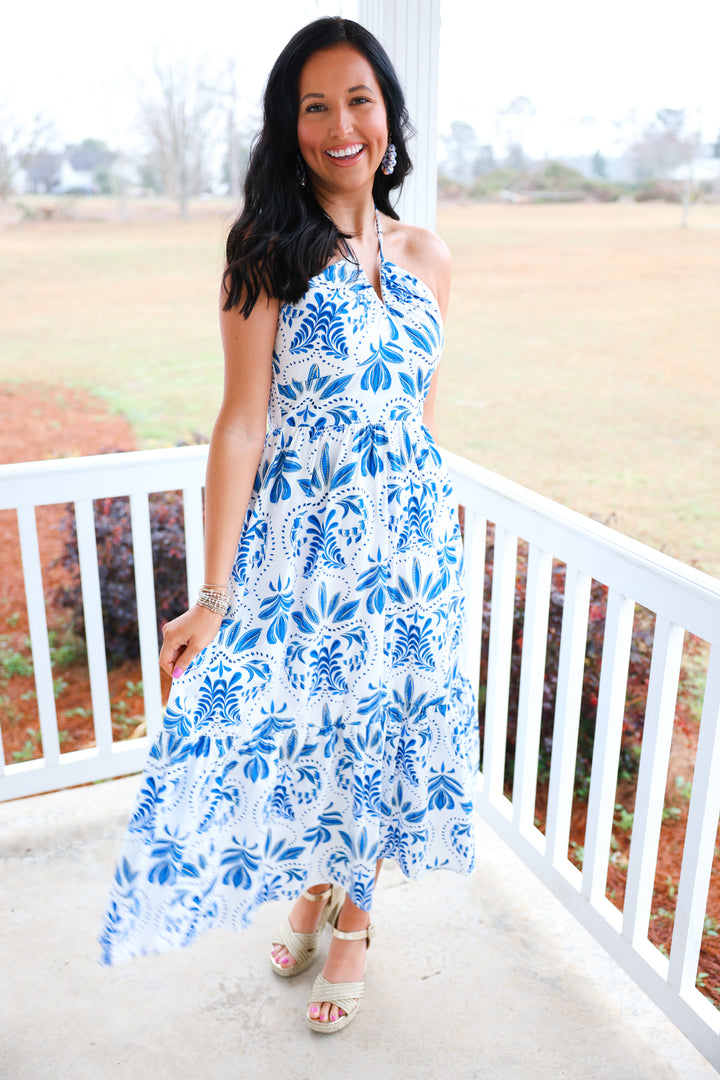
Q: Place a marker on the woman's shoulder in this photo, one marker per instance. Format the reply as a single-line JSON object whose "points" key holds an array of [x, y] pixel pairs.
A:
{"points": [[420, 251], [413, 242]]}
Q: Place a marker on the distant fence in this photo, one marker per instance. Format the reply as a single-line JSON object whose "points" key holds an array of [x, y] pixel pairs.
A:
{"points": [[681, 598]]}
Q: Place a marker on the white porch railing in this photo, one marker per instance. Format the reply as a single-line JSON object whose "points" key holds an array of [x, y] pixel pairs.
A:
{"points": [[682, 599]]}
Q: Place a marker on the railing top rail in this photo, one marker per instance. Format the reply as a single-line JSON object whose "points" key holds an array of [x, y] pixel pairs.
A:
{"points": [[685, 595], [100, 476]]}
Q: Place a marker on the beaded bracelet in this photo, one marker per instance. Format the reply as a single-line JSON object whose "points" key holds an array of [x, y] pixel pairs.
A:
{"points": [[216, 602]]}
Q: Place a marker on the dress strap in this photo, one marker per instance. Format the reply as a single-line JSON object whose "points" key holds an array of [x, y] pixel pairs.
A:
{"points": [[378, 229]]}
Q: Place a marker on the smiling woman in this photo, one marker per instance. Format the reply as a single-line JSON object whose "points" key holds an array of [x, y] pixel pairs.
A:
{"points": [[284, 235], [320, 719], [344, 127]]}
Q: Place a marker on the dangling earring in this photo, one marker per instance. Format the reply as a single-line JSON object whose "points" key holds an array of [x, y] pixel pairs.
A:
{"points": [[300, 173], [389, 160]]}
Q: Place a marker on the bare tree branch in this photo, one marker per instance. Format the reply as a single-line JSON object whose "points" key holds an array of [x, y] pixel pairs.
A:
{"points": [[19, 141], [177, 118]]}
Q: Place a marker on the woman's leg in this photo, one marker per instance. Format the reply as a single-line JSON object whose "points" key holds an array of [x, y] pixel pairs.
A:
{"points": [[346, 959]]}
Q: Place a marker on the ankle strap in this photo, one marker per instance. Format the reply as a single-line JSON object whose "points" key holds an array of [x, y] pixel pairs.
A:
{"points": [[317, 895], [355, 935]]}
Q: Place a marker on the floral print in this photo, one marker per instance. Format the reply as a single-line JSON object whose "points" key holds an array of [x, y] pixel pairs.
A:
{"points": [[330, 723]]}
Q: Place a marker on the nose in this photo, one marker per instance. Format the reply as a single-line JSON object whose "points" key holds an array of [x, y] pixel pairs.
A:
{"points": [[342, 123]]}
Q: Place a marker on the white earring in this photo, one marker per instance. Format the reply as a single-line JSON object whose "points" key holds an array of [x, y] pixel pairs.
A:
{"points": [[389, 160]]}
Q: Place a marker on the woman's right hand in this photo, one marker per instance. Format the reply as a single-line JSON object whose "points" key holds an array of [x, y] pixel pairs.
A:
{"points": [[185, 637]]}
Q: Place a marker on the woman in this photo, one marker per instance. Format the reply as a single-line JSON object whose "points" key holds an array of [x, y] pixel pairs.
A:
{"points": [[319, 719]]}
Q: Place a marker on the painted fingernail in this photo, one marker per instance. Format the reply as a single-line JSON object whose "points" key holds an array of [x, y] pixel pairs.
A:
{"points": [[178, 673]]}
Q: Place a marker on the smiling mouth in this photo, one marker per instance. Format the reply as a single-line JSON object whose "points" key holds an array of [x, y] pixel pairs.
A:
{"points": [[347, 154]]}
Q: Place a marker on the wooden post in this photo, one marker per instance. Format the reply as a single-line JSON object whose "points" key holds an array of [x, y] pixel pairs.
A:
{"points": [[410, 31]]}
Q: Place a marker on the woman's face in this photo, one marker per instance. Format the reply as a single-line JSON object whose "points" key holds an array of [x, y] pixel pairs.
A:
{"points": [[342, 123]]}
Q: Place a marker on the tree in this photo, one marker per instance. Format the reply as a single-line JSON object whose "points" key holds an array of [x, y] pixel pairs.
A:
{"points": [[466, 159], [515, 157], [667, 151], [665, 144], [599, 165], [43, 170], [90, 154], [177, 117], [511, 125], [93, 156], [237, 152], [485, 161], [461, 152], [19, 141]]}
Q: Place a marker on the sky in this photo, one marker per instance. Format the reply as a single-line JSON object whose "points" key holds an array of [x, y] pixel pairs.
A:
{"points": [[595, 73]]}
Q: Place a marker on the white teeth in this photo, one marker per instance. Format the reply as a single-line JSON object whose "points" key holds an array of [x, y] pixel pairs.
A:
{"points": [[349, 151]]}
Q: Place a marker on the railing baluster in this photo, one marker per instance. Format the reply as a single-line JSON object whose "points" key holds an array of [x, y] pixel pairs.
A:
{"points": [[94, 630], [634, 573], [502, 609], [571, 669], [650, 795], [474, 533], [532, 680], [606, 747], [700, 839], [193, 517], [32, 572], [147, 611]]}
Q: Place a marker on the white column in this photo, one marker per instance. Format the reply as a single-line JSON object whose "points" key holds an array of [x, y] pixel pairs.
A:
{"points": [[410, 32]]}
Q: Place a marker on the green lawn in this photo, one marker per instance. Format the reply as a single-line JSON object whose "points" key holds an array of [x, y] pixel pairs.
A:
{"points": [[582, 356], [128, 311]]}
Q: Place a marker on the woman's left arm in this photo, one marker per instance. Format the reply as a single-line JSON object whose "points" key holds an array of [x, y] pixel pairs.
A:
{"points": [[435, 259]]}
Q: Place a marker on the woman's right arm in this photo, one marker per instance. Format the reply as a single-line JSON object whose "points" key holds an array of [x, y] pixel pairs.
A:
{"points": [[235, 448]]}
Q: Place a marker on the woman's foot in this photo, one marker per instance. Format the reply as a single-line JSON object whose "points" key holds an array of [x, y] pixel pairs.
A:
{"points": [[305, 918], [345, 961]]}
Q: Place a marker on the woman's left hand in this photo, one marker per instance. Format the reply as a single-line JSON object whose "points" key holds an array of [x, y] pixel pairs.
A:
{"points": [[185, 637]]}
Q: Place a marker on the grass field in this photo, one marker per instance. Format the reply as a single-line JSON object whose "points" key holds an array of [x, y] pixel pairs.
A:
{"points": [[582, 355]]}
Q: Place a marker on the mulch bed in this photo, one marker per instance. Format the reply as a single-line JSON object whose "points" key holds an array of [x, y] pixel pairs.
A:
{"points": [[37, 424]]}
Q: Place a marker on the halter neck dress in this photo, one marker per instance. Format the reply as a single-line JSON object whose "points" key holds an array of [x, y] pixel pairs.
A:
{"points": [[330, 723]]}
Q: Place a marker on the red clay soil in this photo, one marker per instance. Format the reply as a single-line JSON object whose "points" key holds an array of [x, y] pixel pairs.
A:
{"points": [[37, 424]]}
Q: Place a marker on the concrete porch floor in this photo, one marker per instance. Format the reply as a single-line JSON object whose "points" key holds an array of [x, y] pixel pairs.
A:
{"points": [[485, 978]]}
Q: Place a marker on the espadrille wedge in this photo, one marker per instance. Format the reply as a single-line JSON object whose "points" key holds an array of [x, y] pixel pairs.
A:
{"points": [[303, 947], [345, 995]]}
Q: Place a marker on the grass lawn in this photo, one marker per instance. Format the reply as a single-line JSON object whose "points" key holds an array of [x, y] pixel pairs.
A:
{"points": [[583, 360], [582, 356]]}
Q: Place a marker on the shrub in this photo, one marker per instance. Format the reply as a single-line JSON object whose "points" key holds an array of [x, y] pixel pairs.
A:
{"points": [[117, 572], [663, 190], [639, 670], [555, 180]]}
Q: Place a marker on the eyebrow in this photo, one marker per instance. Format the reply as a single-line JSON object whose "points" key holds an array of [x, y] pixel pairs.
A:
{"points": [[351, 90]]}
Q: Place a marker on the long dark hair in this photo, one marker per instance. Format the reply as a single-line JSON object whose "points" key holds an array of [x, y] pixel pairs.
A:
{"points": [[283, 237]]}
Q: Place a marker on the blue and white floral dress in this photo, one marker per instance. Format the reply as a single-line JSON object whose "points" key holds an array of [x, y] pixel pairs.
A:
{"points": [[330, 723]]}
